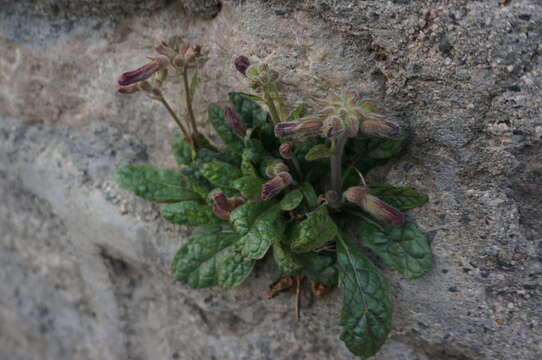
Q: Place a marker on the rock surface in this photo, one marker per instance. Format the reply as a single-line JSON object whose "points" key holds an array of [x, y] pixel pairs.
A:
{"points": [[84, 265]]}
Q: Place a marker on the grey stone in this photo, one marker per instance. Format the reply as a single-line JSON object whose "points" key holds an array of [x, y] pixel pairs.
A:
{"points": [[84, 266]]}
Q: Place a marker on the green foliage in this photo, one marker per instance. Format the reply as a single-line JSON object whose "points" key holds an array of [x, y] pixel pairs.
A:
{"points": [[318, 152], [367, 310], [404, 249], [154, 184], [260, 225], [296, 113], [248, 186], [210, 258], [190, 213], [181, 150], [286, 261], [218, 120], [316, 230], [220, 173], [291, 200], [402, 198], [319, 267], [250, 113]]}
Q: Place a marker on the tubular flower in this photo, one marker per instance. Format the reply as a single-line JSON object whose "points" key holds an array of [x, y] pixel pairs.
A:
{"points": [[286, 150], [274, 167], [144, 72], [299, 129], [374, 206], [234, 122], [386, 129], [222, 206], [276, 185], [136, 87]]}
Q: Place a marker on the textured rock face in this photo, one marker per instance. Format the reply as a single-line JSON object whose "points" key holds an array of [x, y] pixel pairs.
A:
{"points": [[84, 265]]}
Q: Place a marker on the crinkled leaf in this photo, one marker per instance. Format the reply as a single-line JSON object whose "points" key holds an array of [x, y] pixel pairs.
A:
{"points": [[220, 173], [316, 230], [309, 194], [367, 310], [210, 258], [296, 113], [319, 267], [252, 156], [286, 261], [154, 184], [319, 151], [181, 150], [291, 200], [402, 198], [195, 181], [404, 249], [206, 155], [248, 186], [260, 225], [250, 113], [190, 213], [218, 120]]}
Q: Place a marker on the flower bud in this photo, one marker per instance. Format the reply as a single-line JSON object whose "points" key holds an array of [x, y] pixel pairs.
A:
{"points": [[274, 167], [234, 122], [193, 53], [222, 206], [299, 129], [332, 127], [241, 64], [386, 129], [183, 48], [178, 61], [145, 71], [133, 88], [374, 206], [163, 49], [286, 150], [276, 185]]}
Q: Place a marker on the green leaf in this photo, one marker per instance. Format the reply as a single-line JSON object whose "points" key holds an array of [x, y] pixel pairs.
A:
{"points": [[218, 120], [250, 113], [402, 198], [248, 186], [260, 225], [154, 184], [210, 258], [367, 310], [404, 249], [319, 151], [220, 173], [190, 213], [316, 230], [309, 194], [296, 113], [181, 150], [195, 181], [252, 156], [291, 200], [285, 260], [319, 267]]}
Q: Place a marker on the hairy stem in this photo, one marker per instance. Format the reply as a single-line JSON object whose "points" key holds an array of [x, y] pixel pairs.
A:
{"points": [[336, 167], [175, 117], [297, 167], [271, 105], [188, 99]]}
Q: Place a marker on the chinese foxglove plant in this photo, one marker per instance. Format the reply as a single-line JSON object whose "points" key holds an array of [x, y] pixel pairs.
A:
{"points": [[292, 185]]}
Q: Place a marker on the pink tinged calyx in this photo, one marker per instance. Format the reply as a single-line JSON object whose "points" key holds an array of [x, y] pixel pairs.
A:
{"points": [[162, 48], [276, 185], [286, 150], [234, 122], [136, 87], [275, 167], [374, 206], [145, 71], [386, 129]]}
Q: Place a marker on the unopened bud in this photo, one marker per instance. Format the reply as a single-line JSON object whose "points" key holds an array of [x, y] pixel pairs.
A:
{"points": [[241, 64], [178, 61], [133, 88], [276, 185], [193, 53], [332, 127], [144, 72], [374, 206], [234, 122], [183, 48], [286, 150], [374, 116], [299, 129], [386, 129], [163, 49], [222, 206]]}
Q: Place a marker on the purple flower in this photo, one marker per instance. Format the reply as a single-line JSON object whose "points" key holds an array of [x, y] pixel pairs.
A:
{"points": [[299, 129], [234, 122], [386, 129], [275, 186], [133, 88], [222, 206], [144, 72], [374, 206], [241, 64], [286, 150]]}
